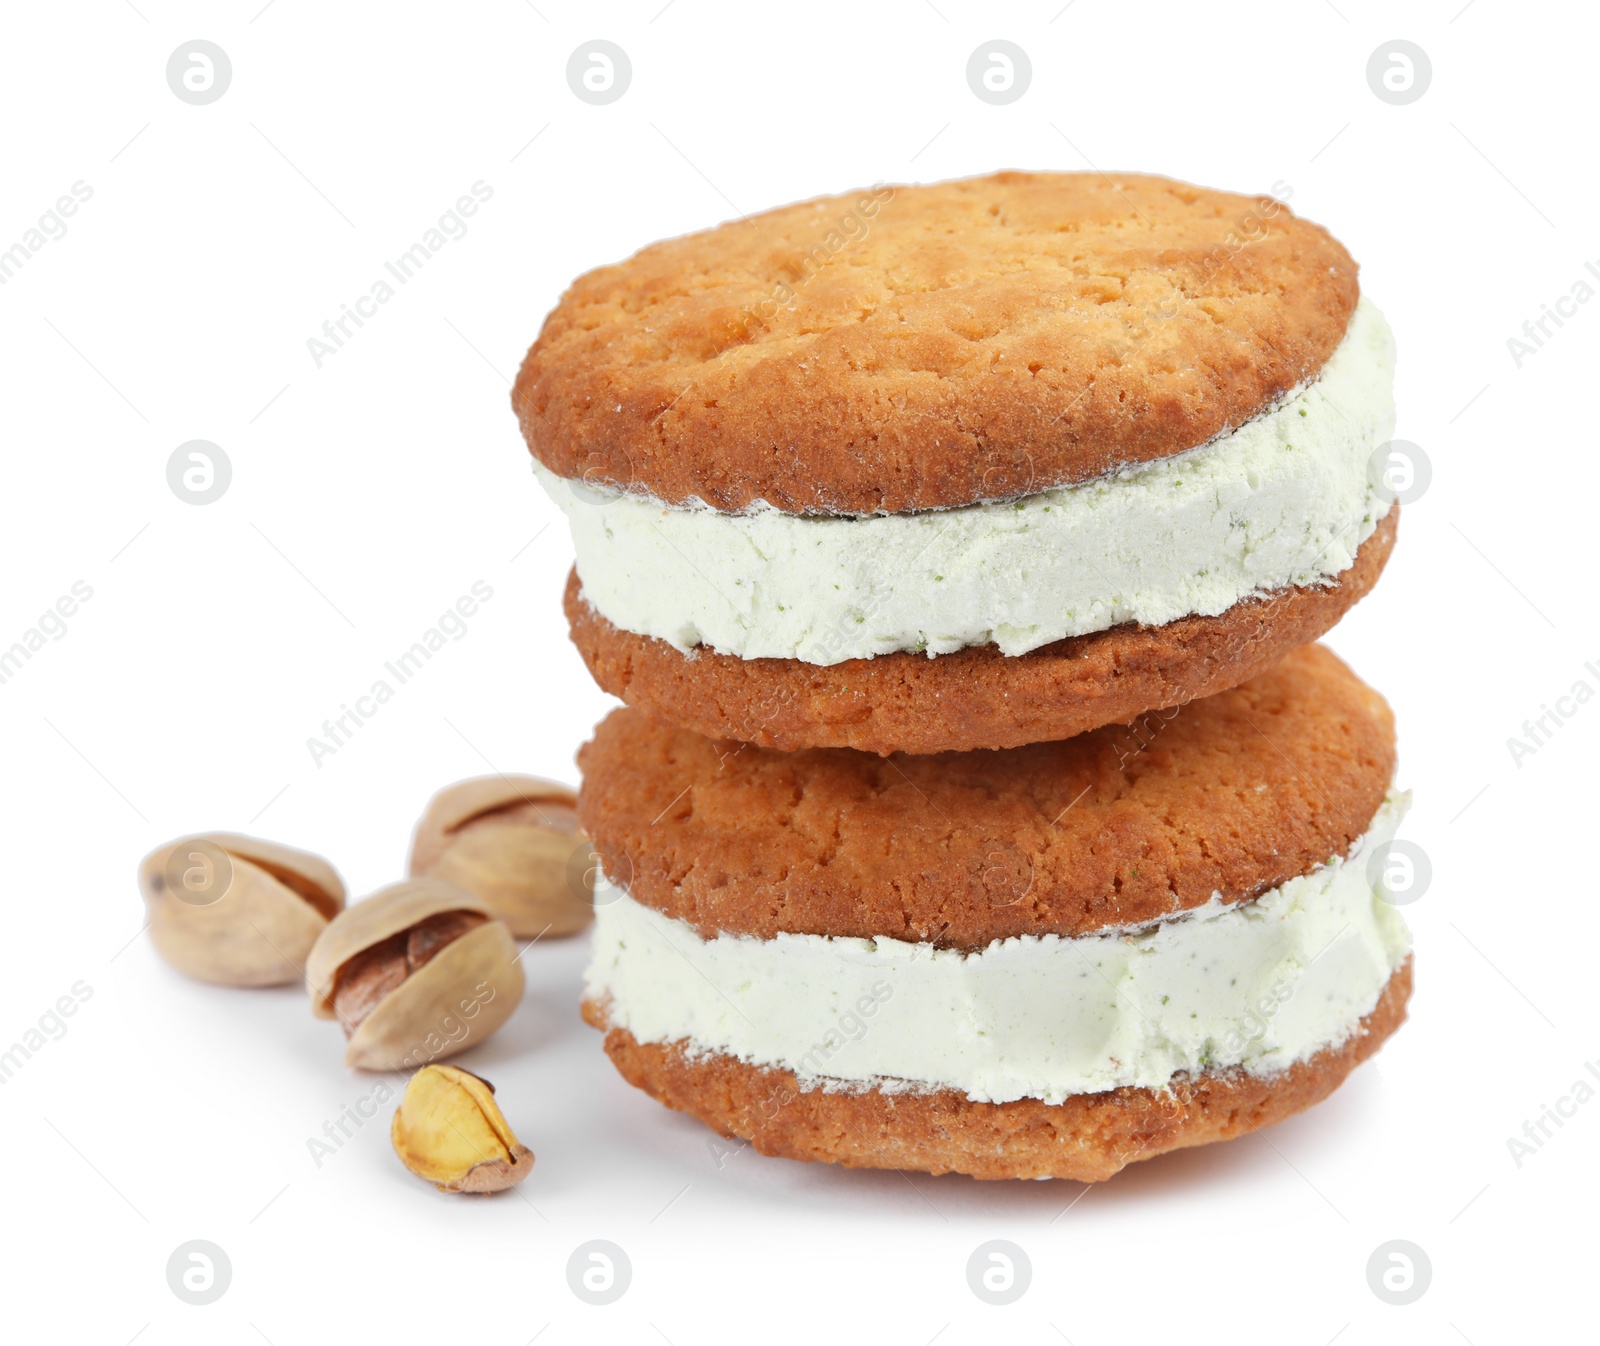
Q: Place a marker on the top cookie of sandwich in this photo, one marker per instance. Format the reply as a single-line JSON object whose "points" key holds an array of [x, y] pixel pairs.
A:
{"points": [[1229, 796], [921, 347]]}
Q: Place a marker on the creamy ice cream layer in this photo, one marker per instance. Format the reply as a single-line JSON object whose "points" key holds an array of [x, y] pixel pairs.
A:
{"points": [[1257, 985], [1285, 499]]}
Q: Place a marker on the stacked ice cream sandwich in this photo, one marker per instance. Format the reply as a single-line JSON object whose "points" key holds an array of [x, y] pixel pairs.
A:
{"points": [[980, 804]]}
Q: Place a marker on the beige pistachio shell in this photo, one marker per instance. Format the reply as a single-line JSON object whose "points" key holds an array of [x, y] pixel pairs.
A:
{"points": [[450, 1131], [453, 1002], [309, 875], [466, 800], [275, 903], [386, 912], [509, 840]]}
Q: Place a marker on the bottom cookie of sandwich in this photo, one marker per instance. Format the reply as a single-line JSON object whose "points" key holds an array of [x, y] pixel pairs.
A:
{"points": [[1086, 1137]]}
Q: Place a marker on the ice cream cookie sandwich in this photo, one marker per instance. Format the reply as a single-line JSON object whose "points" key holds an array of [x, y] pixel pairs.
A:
{"points": [[1047, 961], [970, 465]]}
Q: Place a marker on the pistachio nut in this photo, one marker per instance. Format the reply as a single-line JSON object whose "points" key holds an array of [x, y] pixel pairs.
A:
{"points": [[237, 910], [508, 840], [416, 972], [449, 1130]]}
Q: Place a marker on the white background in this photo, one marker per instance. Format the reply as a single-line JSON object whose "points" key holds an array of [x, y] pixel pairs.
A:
{"points": [[370, 493]]}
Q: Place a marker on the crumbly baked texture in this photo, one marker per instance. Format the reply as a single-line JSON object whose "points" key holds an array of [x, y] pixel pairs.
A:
{"points": [[974, 698], [1088, 1137], [915, 347], [1234, 794]]}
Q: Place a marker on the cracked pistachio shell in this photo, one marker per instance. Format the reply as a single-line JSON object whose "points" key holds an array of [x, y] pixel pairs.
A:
{"points": [[453, 1002], [509, 840], [237, 910], [450, 1131]]}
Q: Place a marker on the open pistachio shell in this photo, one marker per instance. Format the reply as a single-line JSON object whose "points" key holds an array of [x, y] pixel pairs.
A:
{"points": [[397, 907], [237, 910], [455, 1000], [509, 840]]}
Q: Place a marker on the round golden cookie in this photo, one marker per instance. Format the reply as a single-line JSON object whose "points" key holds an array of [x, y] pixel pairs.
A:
{"points": [[1232, 795], [1087, 1137], [908, 348], [973, 698]]}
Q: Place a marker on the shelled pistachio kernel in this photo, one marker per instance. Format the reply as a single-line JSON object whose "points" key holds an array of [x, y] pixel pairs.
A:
{"points": [[449, 1130]]}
